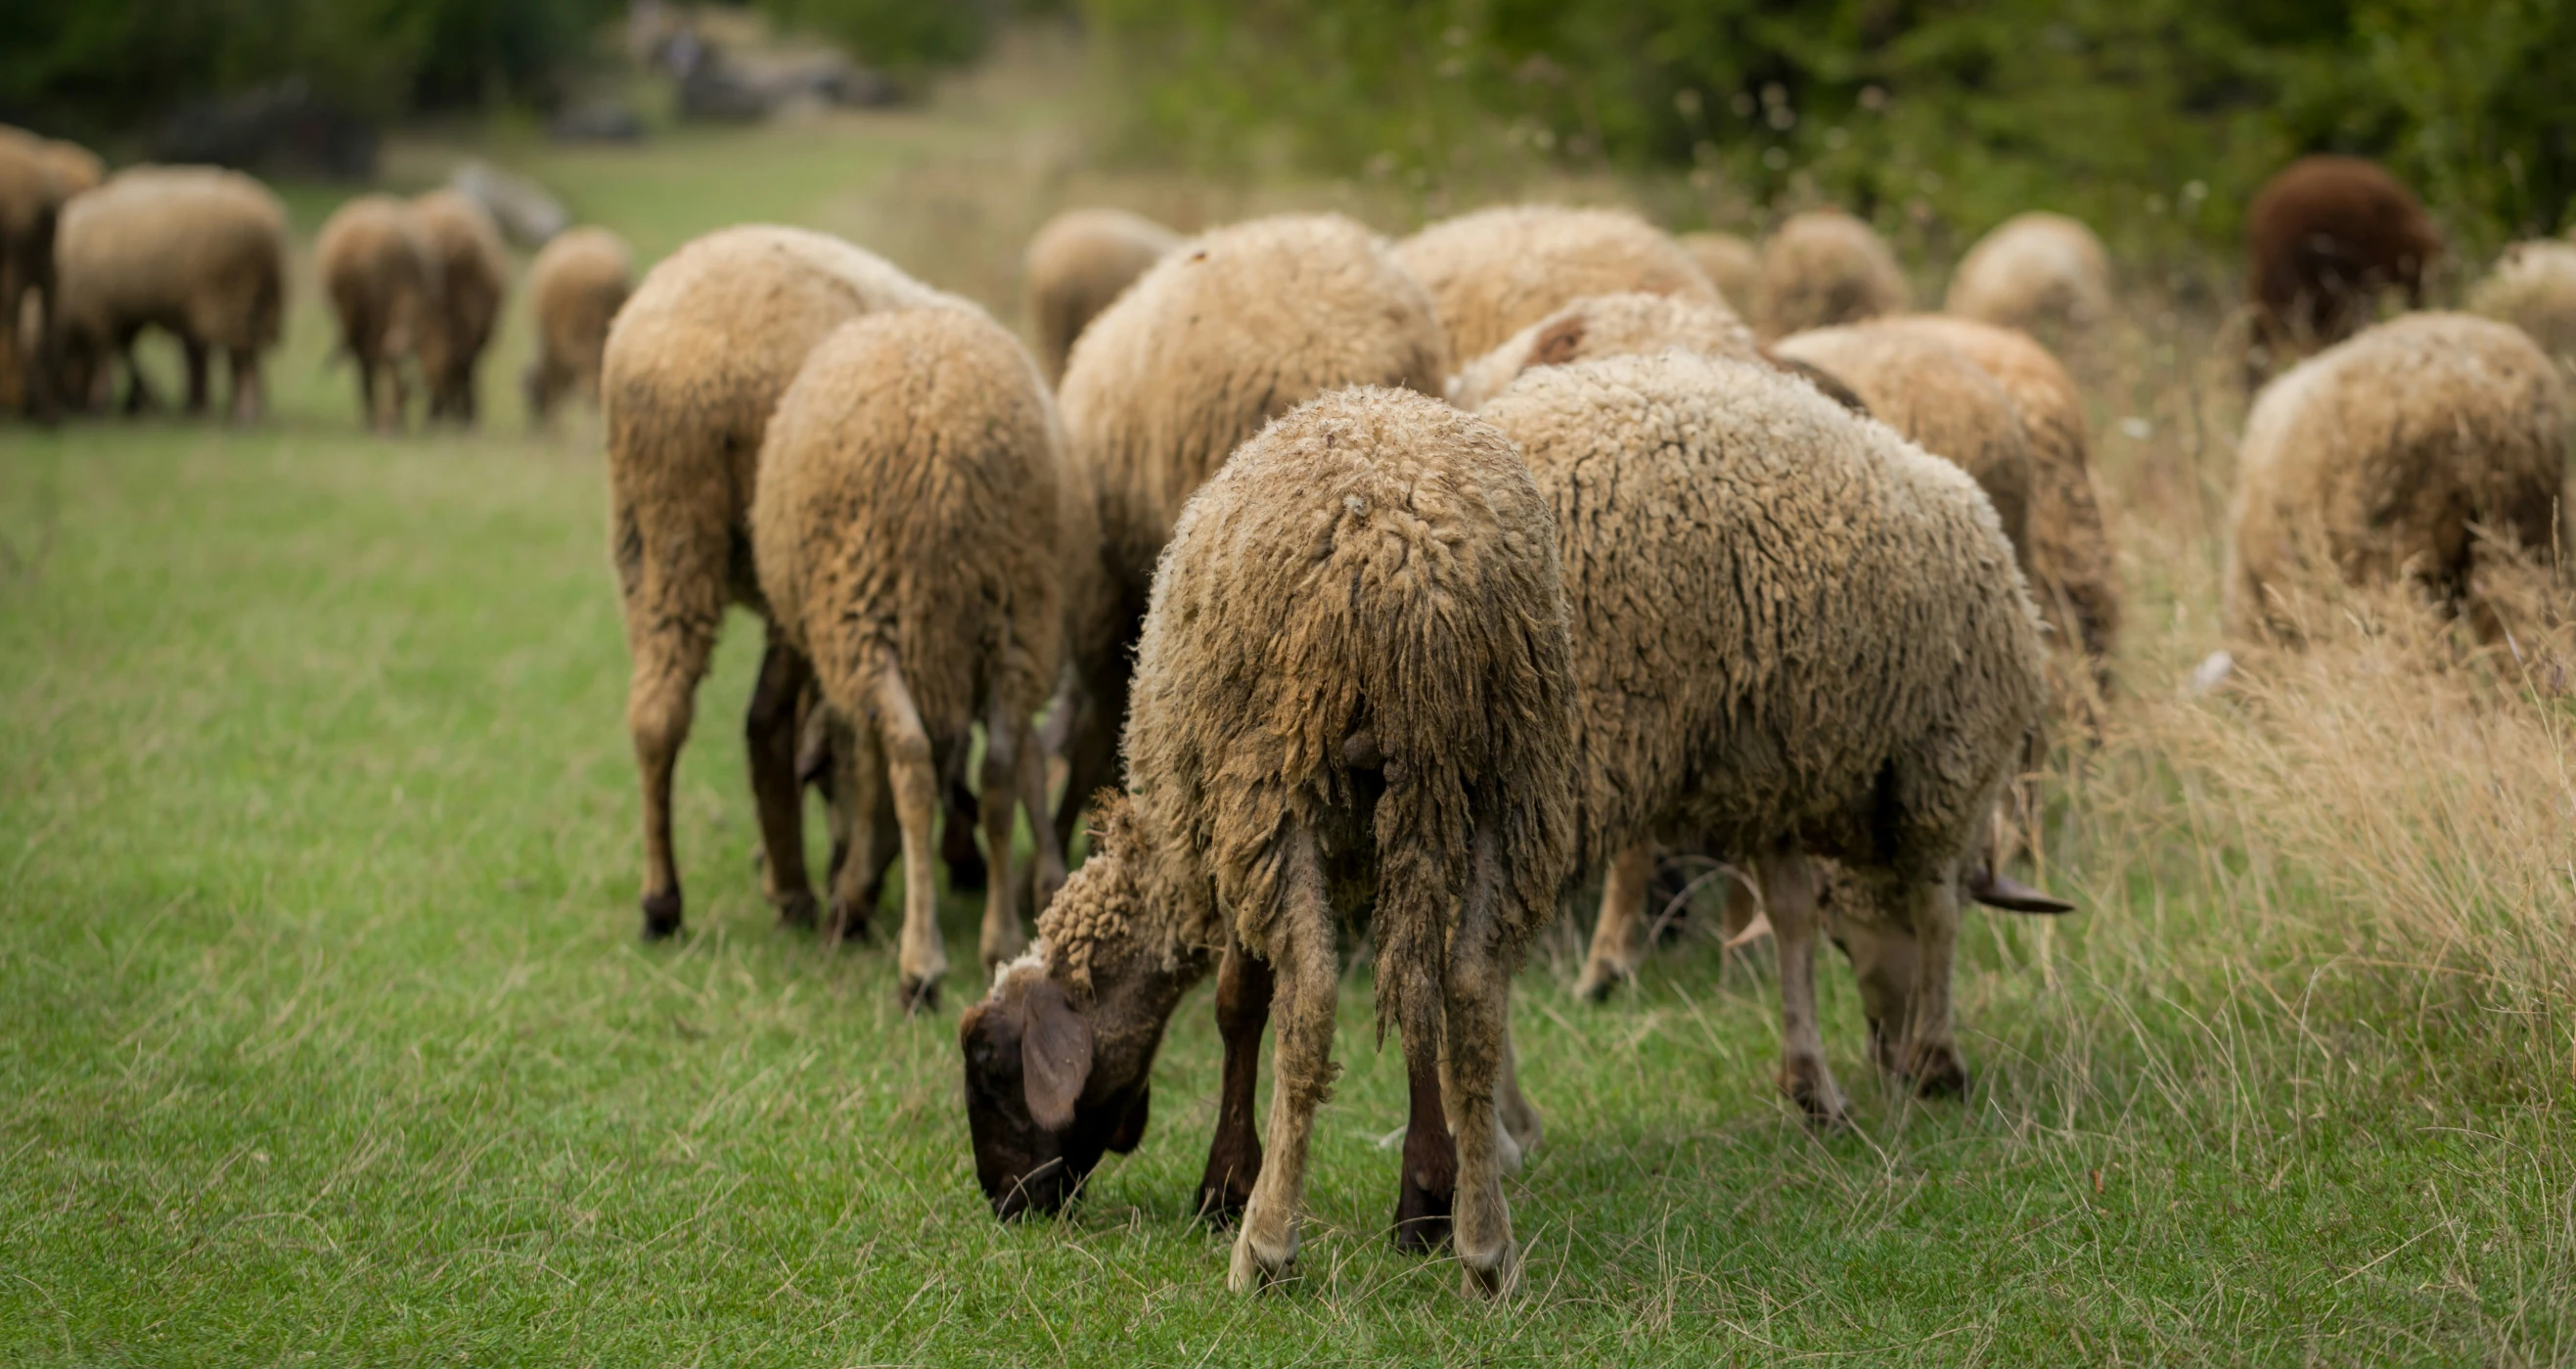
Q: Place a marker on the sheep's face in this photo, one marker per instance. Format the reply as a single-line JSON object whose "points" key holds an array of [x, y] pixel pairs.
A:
{"points": [[1039, 1111]]}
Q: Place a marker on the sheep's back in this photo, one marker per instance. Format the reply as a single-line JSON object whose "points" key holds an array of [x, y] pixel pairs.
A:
{"points": [[1496, 271], [184, 246]]}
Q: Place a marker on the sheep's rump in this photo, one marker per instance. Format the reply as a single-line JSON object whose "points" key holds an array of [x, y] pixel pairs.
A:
{"points": [[2035, 271], [1496, 271], [2321, 238], [1606, 325], [1821, 268], [1078, 264], [1731, 264]]}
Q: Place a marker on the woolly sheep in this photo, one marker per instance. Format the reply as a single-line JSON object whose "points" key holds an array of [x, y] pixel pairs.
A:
{"points": [[1795, 634], [2533, 287], [473, 277], [575, 287], [1351, 693], [381, 278], [1496, 271], [1821, 268], [31, 201], [905, 530], [1080, 262], [195, 250], [1730, 263], [695, 362], [1605, 325], [2042, 273], [2397, 453], [2323, 239]]}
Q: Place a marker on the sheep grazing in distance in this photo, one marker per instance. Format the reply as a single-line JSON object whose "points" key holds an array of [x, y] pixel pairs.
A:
{"points": [[1077, 265], [2324, 238], [2402, 452], [905, 528], [1821, 268], [1605, 325], [2045, 274], [382, 279], [1795, 635], [198, 251], [1731, 264], [38, 176], [1351, 694], [473, 277], [580, 279], [1496, 271], [695, 362], [2533, 287]]}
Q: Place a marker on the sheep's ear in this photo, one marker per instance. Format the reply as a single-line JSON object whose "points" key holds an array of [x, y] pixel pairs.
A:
{"points": [[1055, 1055], [2011, 895], [1558, 344]]}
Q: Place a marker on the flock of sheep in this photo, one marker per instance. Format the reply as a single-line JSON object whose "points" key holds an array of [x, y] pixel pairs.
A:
{"points": [[1428, 583]]}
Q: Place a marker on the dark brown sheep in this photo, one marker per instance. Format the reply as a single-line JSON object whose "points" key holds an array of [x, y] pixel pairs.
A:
{"points": [[2324, 238]]}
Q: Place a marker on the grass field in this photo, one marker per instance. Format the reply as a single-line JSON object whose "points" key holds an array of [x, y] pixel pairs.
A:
{"points": [[325, 1035]]}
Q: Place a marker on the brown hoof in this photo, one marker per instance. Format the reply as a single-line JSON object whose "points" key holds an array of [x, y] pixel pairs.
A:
{"points": [[661, 915], [1816, 1096], [1936, 1072], [796, 910], [847, 924], [918, 996]]}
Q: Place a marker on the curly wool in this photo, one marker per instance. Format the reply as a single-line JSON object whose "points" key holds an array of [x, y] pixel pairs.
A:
{"points": [[2533, 287], [195, 249], [1078, 265], [2038, 272], [1821, 268], [580, 279], [1731, 264], [1497, 271], [1605, 325]]}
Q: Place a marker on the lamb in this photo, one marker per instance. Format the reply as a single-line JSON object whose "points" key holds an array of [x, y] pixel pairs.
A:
{"points": [[472, 278], [196, 250], [1730, 263], [1352, 690], [2533, 287], [1077, 265], [2324, 238], [575, 287], [1497, 271], [2405, 452], [1604, 325], [382, 278], [2042, 273], [1822, 268], [694, 364], [905, 530]]}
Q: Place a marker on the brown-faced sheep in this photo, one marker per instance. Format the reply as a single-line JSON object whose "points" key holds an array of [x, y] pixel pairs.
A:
{"points": [[2042, 273], [1821, 268], [2533, 287], [580, 279], [2402, 452], [1795, 634], [1605, 325], [1496, 271], [194, 250], [1731, 264], [2323, 239], [1351, 694], [695, 363], [1077, 265], [905, 529], [381, 277], [472, 278]]}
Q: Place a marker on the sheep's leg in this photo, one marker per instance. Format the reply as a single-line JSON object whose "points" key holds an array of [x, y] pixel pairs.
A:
{"points": [[1430, 1184], [770, 738], [863, 807], [1789, 895], [919, 957], [1234, 1156], [1047, 852], [1615, 954], [248, 395], [198, 366], [1091, 742], [366, 369], [1006, 738], [1301, 955], [1520, 1120], [963, 813], [1476, 1063], [138, 394], [1928, 1053], [672, 588]]}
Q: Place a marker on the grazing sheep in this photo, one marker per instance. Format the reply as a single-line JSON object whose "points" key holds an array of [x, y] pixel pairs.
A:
{"points": [[1079, 263], [1822, 268], [1795, 634], [1730, 263], [2398, 453], [2323, 239], [195, 250], [472, 278], [2533, 287], [1351, 694], [31, 202], [1497, 271], [575, 287], [905, 529], [1605, 325], [382, 279], [695, 362], [2042, 273]]}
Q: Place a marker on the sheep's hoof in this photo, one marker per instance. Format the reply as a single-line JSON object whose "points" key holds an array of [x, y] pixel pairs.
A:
{"points": [[1598, 980], [1812, 1088], [918, 994], [1936, 1072], [1251, 1271], [1421, 1219], [846, 923], [661, 915], [1492, 1277], [796, 910]]}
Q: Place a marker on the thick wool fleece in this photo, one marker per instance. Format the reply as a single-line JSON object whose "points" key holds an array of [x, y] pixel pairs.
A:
{"points": [[1821, 268], [197, 250], [1077, 265], [2037, 272], [1497, 271], [381, 276], [580, 279], [2533, 287], [2322, 239], [473, 278], [1606, 325]]}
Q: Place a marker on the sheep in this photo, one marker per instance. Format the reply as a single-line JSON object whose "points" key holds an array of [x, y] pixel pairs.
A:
{"points": [[1352, 690], [2533, 287], [1730, 263], [196, 250], [1080, 262], [32, 193], [2043, 273], [2403, 452], [2323, 239], [1821, 268], [1227, 332], [1604, 325], [1496, 271], [473, 277], [1796, 635], [694, 364], [575, 287], [904, 526], [379, 274]]}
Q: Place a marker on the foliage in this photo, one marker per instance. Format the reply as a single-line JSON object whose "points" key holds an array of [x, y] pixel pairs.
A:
{"points": [[902, 36]]}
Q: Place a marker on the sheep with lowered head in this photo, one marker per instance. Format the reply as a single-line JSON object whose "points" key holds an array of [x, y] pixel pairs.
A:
{"points": [[2405, 451], [1824, 267], [1351, 693], [580, 279], [1496, 271], [1079, 262], [195, 250], [2043, 273], [2323, 239], [1605, 325], [2533, 287], [1731, 264], [472, 279], [382, 279]]}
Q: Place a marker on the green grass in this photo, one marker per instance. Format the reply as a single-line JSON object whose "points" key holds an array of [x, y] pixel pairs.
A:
{"points": [[325, 1034]]}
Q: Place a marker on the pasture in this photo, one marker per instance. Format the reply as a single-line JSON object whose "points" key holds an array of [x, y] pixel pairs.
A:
{"points": [[325, 1033]]}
